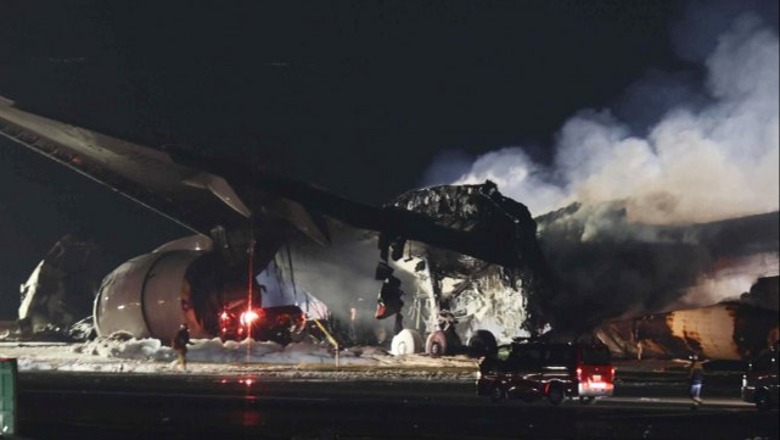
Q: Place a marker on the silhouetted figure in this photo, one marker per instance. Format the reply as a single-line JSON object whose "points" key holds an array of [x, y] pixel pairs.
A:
{"points": [[695, 380], [179, 343]]}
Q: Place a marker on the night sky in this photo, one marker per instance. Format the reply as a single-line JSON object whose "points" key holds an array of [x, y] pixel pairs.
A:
{"points": [[359, 97]]}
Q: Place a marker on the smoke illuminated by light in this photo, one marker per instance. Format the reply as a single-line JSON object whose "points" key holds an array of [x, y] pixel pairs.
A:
{"points": [[692, 146], [698, 162]]}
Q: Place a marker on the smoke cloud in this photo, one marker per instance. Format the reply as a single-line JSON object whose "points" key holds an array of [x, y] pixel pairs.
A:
{"points": [[634, 209], [711, 154]]}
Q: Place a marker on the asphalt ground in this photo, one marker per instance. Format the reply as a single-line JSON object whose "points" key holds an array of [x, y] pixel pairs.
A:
{"points": [[647, 405]]}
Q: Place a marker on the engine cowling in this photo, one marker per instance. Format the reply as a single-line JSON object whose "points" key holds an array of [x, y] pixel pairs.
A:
{"points": [[149, 297]]}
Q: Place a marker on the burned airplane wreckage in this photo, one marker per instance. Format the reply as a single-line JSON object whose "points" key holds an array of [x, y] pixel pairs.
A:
{"points": [[247, 222], [453, 298], [466, 300], [463, 265]]}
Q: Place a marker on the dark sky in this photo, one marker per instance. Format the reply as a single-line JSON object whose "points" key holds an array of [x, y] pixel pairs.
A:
{"points": [[359, 97]]}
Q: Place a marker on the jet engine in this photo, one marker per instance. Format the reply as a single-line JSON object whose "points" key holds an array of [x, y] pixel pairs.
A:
{"points": [[186, 281], [148, 296]]}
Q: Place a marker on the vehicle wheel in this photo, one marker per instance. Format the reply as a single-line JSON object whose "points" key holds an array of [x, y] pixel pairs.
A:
{"points": [[555, 394], [763, 401], [496, 394], [482, 343], [587, 400], [436, 345]]}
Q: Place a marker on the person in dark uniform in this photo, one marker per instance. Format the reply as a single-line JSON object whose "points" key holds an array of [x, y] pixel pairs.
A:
{"points": [[179, 344]]}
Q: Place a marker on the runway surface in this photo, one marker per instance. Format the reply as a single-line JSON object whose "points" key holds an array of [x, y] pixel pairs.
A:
{"points": [[185, 406]]}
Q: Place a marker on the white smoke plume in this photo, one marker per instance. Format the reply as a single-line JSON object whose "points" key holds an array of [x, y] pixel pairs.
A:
{"points": [[711, 159]]}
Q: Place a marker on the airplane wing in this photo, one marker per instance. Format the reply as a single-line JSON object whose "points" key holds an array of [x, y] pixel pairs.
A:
{"points": [[191, 197], [202, 193], [499, 245]]}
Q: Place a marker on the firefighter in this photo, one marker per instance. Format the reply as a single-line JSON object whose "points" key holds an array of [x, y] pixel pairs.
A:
{"points": [[179, 343]]}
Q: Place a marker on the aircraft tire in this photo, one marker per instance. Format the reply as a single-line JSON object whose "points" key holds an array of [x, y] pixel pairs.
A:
{"points": [[436, 345], [482, 343], [407, 341]]}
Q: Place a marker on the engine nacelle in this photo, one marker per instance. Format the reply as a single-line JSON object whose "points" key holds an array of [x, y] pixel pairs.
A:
{"points": [[149, 297]]}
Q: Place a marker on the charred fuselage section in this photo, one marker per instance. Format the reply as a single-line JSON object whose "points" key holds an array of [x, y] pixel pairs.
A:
{"points": [[463, 294], [730, 331], [608, 266], [57, 297]]}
